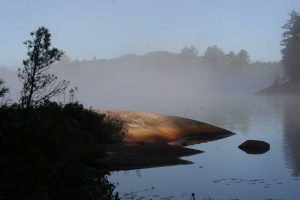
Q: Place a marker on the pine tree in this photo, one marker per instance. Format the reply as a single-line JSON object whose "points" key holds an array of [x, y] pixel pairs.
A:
{"points": [[291, 46], [38, 84]]}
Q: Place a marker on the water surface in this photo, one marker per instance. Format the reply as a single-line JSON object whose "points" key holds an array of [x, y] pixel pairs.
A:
{"points": [[224, 171]]}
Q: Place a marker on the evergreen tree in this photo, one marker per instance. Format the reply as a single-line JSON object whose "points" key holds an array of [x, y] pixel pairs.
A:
{"points": [[38, 84], [291, 46]]}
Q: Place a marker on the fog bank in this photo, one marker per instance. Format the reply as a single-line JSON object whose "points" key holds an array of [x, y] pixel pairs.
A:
{"points": [[135, 82]]}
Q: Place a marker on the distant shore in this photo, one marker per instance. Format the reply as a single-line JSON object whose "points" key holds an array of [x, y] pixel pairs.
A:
{"points": [[156, 140], [289, 88]]}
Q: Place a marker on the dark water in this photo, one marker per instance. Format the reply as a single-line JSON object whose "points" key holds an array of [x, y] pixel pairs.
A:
{"points": [[224, 171]]}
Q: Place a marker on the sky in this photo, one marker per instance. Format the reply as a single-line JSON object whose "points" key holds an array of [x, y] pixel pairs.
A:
{"points": [[110, 28]]}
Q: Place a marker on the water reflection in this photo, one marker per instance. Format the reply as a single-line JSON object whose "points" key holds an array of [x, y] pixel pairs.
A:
{"points": [[223, 170], [291, 128]]}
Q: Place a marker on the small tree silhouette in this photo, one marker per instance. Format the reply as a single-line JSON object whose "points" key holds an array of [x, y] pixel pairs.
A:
{"points": [[3, 89], [38, 84], [72, 92]]}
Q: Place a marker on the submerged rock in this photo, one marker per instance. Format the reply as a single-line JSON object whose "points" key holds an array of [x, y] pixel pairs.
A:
{"points": [[255, 146]]}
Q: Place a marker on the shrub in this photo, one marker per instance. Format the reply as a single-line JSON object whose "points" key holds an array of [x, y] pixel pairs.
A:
{"points": [[38, 160]]}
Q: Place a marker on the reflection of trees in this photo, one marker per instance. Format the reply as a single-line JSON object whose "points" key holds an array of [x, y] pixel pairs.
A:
{"points": [[291, 125], [36, 178], [138, 173]]}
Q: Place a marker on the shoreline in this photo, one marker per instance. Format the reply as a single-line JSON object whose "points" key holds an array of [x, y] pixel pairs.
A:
{"points": [[156, 140]]}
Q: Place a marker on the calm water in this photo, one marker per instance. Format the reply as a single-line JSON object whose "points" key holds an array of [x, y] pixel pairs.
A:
{"points": [[224, 171]]}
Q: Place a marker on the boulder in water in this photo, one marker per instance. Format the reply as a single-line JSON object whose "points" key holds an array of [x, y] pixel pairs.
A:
{"points": [[255, 146]]}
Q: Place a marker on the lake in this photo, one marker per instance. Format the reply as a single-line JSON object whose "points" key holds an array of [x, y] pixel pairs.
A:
{"points": [[223, 171]]}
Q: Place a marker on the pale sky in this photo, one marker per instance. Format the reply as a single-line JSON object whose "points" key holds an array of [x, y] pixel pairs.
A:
{"points": [[110, 28]]}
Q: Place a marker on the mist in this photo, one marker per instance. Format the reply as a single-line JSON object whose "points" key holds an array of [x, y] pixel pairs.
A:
{"points": [[150, 99], [156, 79]]}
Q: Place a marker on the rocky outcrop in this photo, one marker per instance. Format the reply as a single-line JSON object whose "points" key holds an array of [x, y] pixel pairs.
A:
{"points": [[255, 146], [150, 127]]}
